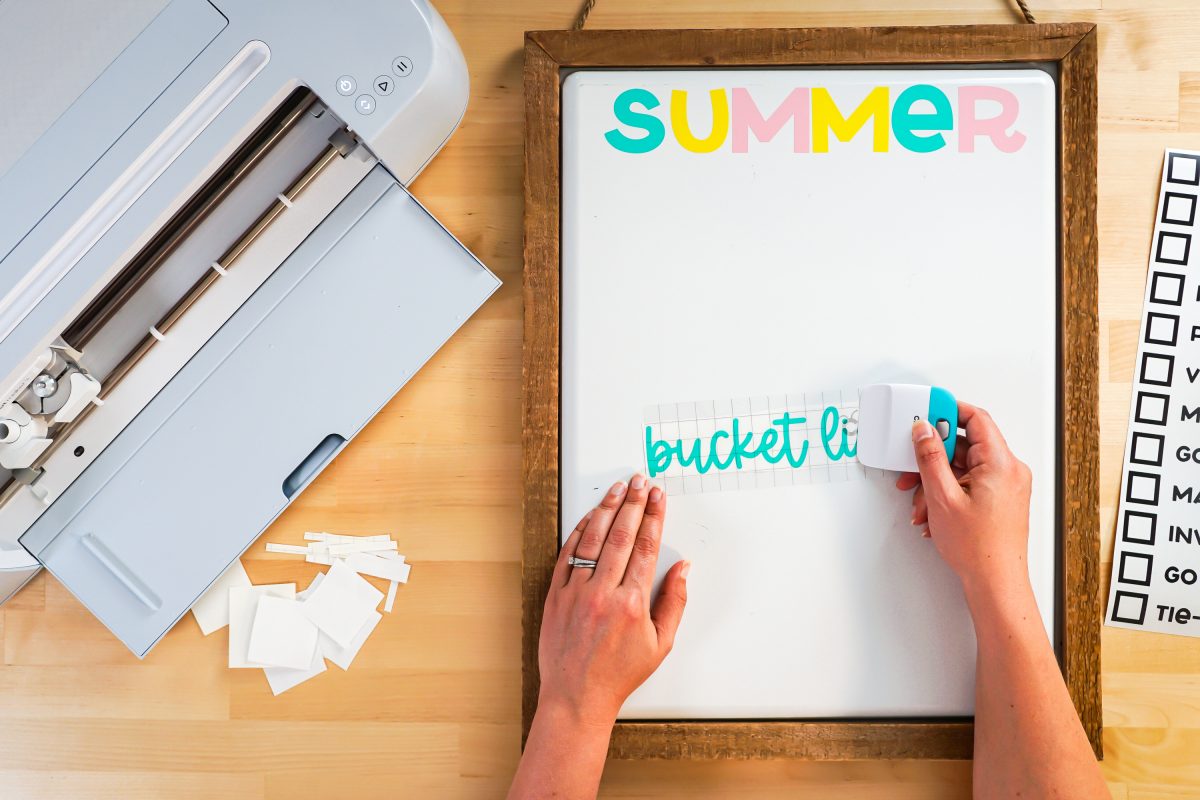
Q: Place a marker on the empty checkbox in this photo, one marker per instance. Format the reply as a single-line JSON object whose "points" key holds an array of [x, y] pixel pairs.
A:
{"points": [[1151, 408], [1183, 168], [1162, 329], [1142, 488], [1130, 607], [1139, 527], [1147, 449], [1166, 287], [1179, 209], [1173, 248], [1135, 568], [1157, 369]]}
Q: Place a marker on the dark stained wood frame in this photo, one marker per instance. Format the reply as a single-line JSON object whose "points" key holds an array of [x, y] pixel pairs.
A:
{"points": [[1072, 47]]}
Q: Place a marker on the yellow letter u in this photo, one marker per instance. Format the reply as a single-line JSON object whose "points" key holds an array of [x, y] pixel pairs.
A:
{"points": [[720, 121]]}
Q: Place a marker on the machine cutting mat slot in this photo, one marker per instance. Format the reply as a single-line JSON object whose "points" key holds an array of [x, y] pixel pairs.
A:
{"points": [[159, 283], [201, 243]]}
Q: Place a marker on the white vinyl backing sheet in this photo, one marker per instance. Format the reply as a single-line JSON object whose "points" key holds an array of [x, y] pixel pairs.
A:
{"points": [[1156, 560]]}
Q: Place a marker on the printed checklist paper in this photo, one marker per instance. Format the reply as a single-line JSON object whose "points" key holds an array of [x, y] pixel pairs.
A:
{"points": [[1156, 560]]}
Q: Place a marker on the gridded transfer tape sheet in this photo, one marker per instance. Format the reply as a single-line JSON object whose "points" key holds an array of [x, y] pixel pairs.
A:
{"points": [[1156, 560], [759, 442]]}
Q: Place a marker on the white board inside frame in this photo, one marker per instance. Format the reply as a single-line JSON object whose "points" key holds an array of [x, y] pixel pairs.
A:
{"points": [[764, 242]]}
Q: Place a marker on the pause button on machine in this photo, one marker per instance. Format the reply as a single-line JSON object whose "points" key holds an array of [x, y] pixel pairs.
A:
{"points": [[402, 66]]}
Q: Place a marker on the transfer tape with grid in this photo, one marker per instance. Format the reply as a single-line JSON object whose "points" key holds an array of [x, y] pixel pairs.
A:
{"points": [[753, 442], [1156, 560]]}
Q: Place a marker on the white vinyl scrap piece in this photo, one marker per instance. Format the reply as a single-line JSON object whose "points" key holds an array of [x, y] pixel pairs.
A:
{"points": [[243, 605], [282, 635], [342, 603], [342, 656], [376, 567], [273, 626], [293, 549], [390, 600], [212, 609], [326, 548], [312, 536], [281, 679], [346, 548], [316, 581]]}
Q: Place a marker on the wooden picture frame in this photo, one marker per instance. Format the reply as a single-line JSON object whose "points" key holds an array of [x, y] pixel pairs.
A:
{"points": [[1070, 46]]}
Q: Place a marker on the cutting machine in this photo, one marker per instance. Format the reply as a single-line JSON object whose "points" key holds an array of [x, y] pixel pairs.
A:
{"points": [[211, 277]]}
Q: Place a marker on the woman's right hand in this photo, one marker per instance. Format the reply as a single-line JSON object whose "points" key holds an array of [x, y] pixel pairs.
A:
{"points": [[976, 509], [1028, 739]]}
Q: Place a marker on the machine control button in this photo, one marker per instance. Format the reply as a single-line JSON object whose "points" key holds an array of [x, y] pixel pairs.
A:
{"points": [[365, 104], [384, 85], [402, 66], [943, 428], [346, 86]]}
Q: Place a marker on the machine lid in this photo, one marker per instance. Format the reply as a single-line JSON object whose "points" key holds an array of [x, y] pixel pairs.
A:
{"points": [[372, 293]]}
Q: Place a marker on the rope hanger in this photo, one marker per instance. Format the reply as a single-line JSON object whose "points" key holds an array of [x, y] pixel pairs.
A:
{"points": [[588, 5]]}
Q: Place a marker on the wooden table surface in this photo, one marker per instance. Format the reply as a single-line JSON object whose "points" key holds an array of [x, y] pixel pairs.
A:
{"points": [[431, 706]]}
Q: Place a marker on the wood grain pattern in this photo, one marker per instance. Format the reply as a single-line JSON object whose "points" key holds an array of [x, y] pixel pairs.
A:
{"points": [[944, 44], [441, 466], [1071, 48], [824, 740], [1080, 605], [542, 295]]}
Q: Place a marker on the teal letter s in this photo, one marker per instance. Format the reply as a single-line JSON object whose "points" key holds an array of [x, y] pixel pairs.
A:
{"points": [[652, 125]]}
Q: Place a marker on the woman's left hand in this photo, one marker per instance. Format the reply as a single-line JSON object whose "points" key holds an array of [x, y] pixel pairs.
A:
{"points": [[603, 633]]}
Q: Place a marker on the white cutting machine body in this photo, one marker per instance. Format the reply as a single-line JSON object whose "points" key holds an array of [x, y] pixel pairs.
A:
{"points": [[211, 277]]}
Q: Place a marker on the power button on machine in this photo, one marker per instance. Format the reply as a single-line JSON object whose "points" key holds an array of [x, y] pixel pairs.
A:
{"points": [[346, 86]]}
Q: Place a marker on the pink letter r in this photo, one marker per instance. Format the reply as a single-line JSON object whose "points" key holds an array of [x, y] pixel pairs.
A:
{"points": [[995, 128]]}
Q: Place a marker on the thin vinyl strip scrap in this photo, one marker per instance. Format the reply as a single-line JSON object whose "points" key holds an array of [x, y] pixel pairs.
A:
{"points": [[1156, 564], [753, 442]]}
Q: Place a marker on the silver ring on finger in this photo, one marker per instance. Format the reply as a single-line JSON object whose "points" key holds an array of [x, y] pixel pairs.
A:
{"points": [[585, 563]]}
